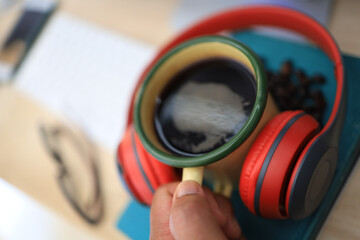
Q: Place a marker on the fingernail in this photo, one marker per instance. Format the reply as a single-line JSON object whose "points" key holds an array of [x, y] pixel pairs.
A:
{"points": [[188, 187]]}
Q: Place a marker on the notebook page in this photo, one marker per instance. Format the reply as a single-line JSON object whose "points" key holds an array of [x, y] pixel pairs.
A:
{"points": [[86, 74]]}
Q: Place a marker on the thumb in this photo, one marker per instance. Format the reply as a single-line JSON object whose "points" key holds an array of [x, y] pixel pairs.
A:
{"points": [[191, 216]]}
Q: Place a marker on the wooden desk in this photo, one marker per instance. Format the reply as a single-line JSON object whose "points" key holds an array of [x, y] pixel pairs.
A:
{"points": [[25, 164]]}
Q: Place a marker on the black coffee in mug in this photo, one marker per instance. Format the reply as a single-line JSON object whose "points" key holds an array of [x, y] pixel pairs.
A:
{"points": [[204, 106]]}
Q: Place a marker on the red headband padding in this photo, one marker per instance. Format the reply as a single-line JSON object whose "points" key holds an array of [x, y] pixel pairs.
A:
{"points": [[243, 18]]}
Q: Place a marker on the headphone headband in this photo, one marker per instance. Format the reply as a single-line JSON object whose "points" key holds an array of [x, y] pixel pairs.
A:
{"points": [[244, 18]]}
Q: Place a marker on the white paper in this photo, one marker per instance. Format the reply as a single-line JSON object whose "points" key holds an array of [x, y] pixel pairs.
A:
{"points": [[85, 73], [23, 218]]}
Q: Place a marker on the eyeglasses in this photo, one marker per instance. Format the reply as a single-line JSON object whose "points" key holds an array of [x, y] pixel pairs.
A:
{"points": [[78, 176]]}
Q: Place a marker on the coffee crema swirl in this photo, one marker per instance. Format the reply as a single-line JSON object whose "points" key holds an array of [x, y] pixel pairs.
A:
{"points": [[204, 106]]}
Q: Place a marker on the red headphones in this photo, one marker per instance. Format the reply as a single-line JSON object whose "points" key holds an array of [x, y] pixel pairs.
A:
{"points": [[291, 163]]}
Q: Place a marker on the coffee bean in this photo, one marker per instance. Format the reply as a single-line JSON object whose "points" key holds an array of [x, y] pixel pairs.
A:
{"points": [[286, 68], [318, 79]]}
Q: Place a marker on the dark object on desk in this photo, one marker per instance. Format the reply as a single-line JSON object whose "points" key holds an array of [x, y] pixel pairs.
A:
{"points": [[292, 90], [32, 20], [56, 139]]}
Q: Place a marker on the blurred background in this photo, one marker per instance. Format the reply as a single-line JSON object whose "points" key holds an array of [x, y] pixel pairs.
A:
{"points": [[67, 71]]}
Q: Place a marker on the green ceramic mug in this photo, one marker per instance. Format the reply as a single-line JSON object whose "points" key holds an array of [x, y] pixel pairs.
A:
{"points": [[170, 65]]}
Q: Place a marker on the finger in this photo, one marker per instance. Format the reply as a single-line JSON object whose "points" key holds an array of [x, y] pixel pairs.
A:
{"points": [[221, 217], [160, 212], [222, 209], [231, 228], [191, 216]]}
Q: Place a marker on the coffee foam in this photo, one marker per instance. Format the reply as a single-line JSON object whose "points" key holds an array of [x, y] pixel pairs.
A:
{"points": [[211, 109]]}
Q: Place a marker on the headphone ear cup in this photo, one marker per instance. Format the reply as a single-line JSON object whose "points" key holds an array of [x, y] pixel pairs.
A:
{"points": [[160, 171], [269, 163], [255, 158], [141, 172], [129, 170]]}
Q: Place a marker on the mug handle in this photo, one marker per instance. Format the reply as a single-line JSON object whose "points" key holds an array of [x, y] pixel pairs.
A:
{"points": [[193, 173]]}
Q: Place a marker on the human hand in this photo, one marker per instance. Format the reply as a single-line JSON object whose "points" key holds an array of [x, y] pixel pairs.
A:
{"points": [[187, 211]]}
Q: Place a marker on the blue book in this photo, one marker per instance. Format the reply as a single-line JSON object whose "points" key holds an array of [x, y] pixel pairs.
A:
{"points": [[134, 222]]}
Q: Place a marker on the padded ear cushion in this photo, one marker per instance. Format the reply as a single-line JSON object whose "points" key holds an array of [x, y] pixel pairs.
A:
{"points": [[142, 174], [157, 172], [164, 173], [255, 159], [279, 164], [259, 151], [127, 162]]}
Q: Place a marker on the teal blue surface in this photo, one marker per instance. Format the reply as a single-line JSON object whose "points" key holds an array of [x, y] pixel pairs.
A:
{"points": [[135, 220]]}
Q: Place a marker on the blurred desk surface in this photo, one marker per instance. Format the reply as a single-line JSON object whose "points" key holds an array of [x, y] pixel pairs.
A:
{"points": [[24, 162]]}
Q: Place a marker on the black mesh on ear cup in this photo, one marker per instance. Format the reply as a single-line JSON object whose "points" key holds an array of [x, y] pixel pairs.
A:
{"points": [[303, 199]]}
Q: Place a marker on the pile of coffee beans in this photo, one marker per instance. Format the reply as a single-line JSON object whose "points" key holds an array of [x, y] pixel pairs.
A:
{"points": [[292, 90]]}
